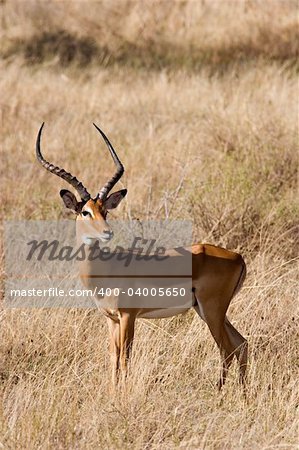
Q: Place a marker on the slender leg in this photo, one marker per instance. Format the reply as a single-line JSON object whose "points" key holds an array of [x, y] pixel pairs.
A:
{"points": [[240, 348], [220, 335], [114, 332], [127, 325], [227, 359]]}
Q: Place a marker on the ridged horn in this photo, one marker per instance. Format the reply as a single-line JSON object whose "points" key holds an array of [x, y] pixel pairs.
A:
{"points": [[119, 168], [82, 191]]}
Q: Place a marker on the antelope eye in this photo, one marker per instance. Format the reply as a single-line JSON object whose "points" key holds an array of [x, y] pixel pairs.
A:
{"points": [[85, 213]]}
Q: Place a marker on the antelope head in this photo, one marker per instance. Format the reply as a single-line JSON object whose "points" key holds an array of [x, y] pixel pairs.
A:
{"points": [[91, 213]]}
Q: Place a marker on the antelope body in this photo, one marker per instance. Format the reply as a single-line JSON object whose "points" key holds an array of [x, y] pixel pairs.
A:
{"points": [[217, 275]]}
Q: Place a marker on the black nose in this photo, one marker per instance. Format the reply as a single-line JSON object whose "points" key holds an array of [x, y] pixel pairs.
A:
{"points": [[109, 233]]}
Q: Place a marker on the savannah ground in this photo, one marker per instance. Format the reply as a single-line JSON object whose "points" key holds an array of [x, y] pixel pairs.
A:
{"points": [[201, 101]]}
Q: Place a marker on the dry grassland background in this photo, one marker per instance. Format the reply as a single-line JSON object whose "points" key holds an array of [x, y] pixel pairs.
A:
{"points": [[200, 98]]}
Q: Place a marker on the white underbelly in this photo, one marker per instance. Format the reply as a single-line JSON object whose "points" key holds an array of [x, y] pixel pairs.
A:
{"points": [[162, 313]]}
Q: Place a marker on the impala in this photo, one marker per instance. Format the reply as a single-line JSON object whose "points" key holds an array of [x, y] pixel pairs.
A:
{"points": [[217, 275]]}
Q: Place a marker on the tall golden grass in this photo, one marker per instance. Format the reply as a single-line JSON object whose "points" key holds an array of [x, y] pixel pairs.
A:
{"points": [[201, 101]]}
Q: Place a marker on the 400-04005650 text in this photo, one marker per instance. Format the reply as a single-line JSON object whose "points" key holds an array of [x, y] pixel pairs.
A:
{"points": [[107, 292]]}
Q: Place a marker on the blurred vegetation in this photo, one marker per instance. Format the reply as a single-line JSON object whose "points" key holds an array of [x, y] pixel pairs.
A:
{"points": [[66, 48], [126, 34]]}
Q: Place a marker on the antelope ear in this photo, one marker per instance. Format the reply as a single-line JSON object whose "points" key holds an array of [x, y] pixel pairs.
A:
{"points": [[114, 199], [70, 201]]}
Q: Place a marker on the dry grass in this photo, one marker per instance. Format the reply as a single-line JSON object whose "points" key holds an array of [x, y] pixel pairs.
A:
{"points": [[154, 35], [216, 146]]}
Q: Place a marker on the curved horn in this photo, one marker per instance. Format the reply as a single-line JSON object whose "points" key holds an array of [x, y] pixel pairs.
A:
{"points": [[60, 172], [119, 172]]}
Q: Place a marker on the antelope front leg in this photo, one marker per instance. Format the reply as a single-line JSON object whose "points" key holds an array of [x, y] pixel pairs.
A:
{"points": [[114, 347], [127, 324]]}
